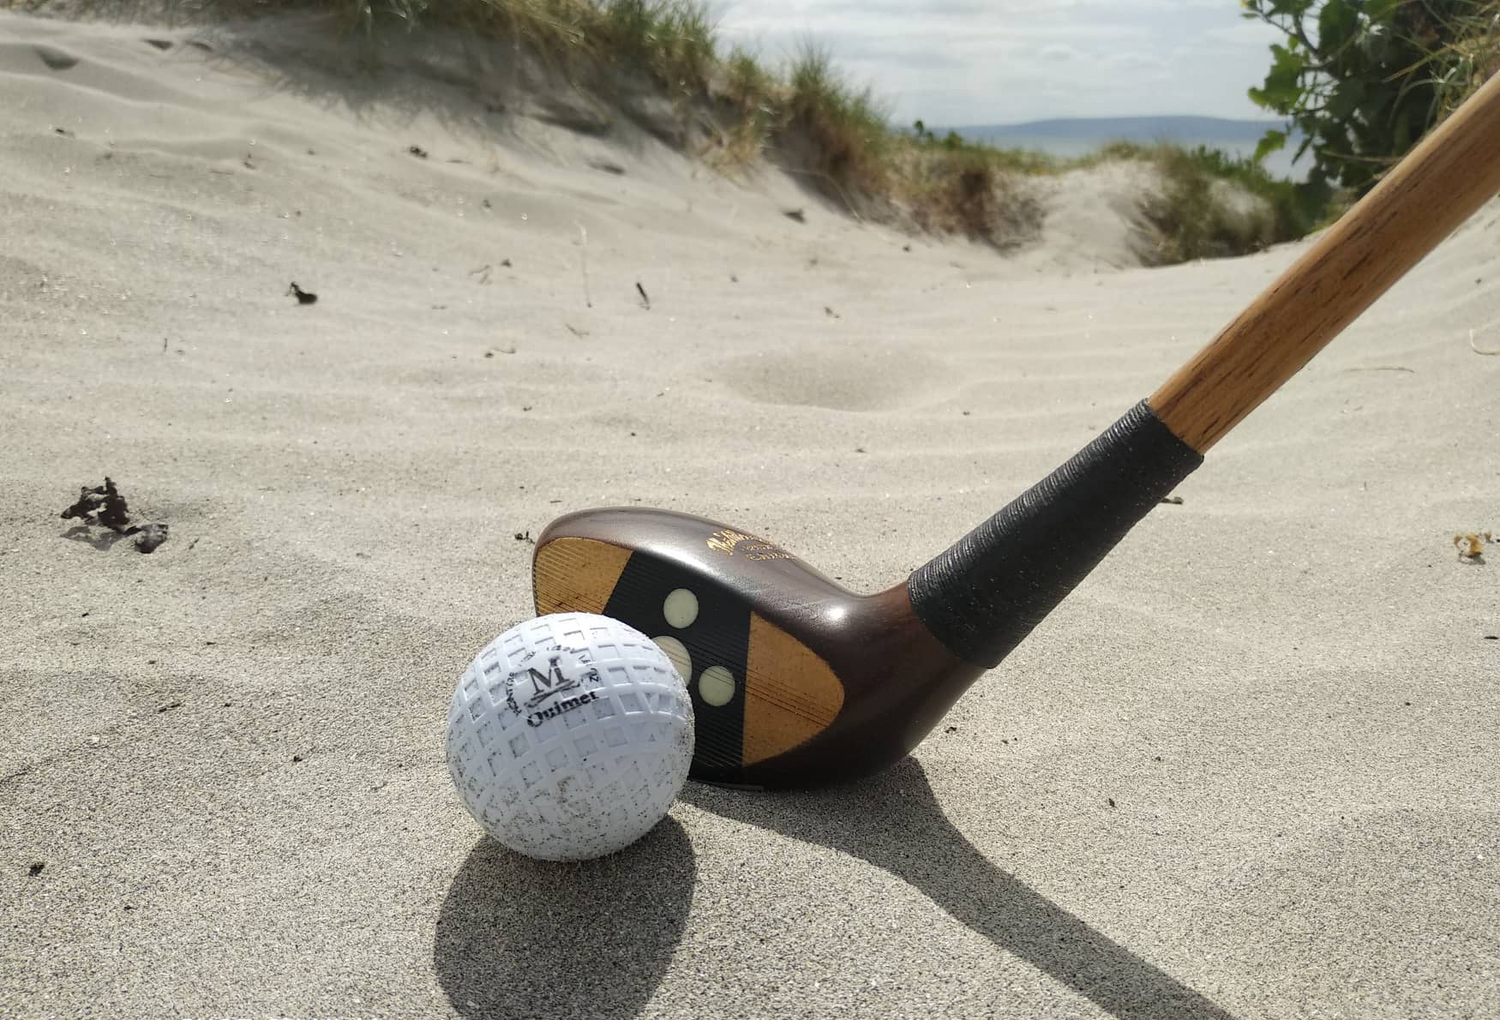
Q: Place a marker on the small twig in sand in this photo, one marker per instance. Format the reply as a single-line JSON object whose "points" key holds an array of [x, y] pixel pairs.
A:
{"points": [[1480, 350], [584, 262], [580, 333], [644, 297]]}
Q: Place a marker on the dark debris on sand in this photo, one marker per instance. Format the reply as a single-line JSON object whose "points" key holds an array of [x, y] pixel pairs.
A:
{"points": [[103, 505], [150, 537]]}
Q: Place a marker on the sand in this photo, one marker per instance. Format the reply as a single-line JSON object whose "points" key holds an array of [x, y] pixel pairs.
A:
{"points": [[1248, 769]]}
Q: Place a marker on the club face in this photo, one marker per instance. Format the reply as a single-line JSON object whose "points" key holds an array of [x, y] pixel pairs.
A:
{"points": [[741, 619], [795, 680]]}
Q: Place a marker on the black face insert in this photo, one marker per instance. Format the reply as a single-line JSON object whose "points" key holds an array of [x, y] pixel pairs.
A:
{"points": [[718, 634]]}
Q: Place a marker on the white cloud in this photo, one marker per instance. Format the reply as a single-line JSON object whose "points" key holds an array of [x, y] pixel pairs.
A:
{"points": [[1142, 66], [988, 61], [1057, 52], [1245, 33]]}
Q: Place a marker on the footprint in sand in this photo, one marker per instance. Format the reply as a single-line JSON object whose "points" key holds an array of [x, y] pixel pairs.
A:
{"points": [[55, 59], [839, 379]]}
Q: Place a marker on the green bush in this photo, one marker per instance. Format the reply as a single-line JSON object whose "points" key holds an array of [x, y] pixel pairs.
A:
{"points": [[1362, 80], [1193, 216]]}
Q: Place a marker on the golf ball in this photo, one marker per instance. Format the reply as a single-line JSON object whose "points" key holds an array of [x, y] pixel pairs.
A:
{"points": [[569, 736]]}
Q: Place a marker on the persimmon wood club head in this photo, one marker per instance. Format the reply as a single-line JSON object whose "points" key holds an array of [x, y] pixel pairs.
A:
{"points": [[797, 681]]}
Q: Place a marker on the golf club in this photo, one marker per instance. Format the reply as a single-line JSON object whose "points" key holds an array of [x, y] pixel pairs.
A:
{"points": [[798, 682]]}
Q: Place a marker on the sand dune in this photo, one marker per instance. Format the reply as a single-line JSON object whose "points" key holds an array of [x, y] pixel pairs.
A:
{"points": [[228, 754]]}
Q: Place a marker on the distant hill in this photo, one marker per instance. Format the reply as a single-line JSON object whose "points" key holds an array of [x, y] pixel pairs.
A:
{"points": [[1183, 130]]}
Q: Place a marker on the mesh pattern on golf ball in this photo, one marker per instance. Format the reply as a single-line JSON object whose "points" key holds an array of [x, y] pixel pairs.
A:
{"points": [[590, 780]]}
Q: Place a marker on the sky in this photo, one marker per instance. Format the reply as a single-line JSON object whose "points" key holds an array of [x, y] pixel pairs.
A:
{"points": [[967, 62]]}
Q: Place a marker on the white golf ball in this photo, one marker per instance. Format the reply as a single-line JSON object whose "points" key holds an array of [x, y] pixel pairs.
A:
{"points": [[569, 736]]}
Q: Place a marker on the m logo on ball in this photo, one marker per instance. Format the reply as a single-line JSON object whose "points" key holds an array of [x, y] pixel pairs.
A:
{"points": [[567, 671], [548, 684]]}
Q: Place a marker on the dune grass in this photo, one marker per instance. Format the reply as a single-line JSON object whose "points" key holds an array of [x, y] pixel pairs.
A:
{"points": [[1460, 67], [1194, 215], [672, 40], [808, 118], [845, 129]]}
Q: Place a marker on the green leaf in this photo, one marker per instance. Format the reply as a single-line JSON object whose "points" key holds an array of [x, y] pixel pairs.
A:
{"points": [[1269, 143], [1283, 83], [1293, 8], [1382, 12], [1345, 98], [1336, 21]]}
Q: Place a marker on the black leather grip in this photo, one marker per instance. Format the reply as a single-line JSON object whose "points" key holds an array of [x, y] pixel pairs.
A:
{"points": [[985, 594]]}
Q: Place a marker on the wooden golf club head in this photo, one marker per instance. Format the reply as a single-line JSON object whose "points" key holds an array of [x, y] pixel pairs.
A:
{"points": [[795, 680]]}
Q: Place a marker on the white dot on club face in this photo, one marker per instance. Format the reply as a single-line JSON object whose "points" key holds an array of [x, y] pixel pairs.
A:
{"points": [[678, 653], [681, 608], [716, 685]]}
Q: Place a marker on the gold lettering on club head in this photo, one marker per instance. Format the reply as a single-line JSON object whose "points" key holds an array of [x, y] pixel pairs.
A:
{"points": [[729, 542]]}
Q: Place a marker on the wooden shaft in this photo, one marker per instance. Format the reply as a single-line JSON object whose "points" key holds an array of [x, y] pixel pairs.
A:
{"points": [[1439, 185]]}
